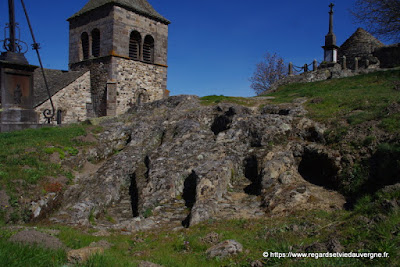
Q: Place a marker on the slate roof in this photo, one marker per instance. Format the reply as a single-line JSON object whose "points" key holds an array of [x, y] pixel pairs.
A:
{"points": [[56, 79], [139, 6]]}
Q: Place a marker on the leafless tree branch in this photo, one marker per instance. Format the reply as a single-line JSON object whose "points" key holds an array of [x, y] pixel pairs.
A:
{"points": [[381, 17], [268, 71]]}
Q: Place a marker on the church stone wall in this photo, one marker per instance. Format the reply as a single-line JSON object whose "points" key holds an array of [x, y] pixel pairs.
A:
{"points": [[72, 101], [100, 72], [116, 81], [138, 82]]}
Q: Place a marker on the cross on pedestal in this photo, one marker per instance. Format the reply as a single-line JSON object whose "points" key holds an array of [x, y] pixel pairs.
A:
{"points": [[330, 48]]}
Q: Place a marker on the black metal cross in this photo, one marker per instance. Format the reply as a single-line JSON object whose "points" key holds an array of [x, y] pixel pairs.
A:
{"points": [[11, 46]]}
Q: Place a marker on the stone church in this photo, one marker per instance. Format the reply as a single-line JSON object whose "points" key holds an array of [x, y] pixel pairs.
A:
{"points": [[117, 59]]}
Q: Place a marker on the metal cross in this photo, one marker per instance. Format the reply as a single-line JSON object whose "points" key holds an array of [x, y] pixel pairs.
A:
{"points": [[11, 12]]}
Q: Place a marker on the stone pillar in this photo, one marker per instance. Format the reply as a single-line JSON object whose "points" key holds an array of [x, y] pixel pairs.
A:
{"points": [[290, 68], [315, 65], [17, 96], [111, 98], [356, 63], [344, 63]]}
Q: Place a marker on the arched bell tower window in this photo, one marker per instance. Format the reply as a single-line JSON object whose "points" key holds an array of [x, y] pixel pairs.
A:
{"points": [[96, 43], [148, 49], [85, 45], [134, 45]]}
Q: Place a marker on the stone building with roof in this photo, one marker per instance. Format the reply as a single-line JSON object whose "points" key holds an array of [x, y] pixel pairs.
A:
{"points": [[366, 48], [362, 45], [117, 58]]}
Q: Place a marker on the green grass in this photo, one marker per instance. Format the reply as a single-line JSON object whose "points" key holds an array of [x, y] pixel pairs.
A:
{"points": [[27, 152], [186, 248], [12, 254], [355, 99], [214, 99], [25, 162]]}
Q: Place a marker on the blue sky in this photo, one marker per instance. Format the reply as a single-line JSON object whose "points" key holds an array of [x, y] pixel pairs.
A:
{"points": [[214, 45]]}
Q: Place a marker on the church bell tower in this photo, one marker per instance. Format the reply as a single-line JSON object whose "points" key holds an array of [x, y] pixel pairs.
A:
{"points": [[123, 43]]}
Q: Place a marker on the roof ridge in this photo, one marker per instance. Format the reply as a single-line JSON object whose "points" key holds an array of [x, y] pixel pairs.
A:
{"points": [[362, 32], [142, 7]]}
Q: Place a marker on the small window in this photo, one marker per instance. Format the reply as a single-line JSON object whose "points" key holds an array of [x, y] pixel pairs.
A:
{"points": [[59, 116], [148, 49], [85, 45], [141, 99], [96, 43], [134, 45]]}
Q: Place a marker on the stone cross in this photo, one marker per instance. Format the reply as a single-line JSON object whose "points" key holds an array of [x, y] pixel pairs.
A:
{"points": [[331, 18]]}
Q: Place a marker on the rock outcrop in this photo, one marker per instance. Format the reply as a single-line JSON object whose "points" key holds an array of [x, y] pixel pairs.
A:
{"points": [[177, 162]]}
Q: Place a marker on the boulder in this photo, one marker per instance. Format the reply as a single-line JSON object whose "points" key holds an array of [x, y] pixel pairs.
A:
{"points": [[77, 256], [32, 237], [225, 249]]}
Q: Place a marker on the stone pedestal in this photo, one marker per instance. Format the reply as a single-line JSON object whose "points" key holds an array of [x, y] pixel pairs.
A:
{"points": [[330, 48], [17, 96], [330, 53]]}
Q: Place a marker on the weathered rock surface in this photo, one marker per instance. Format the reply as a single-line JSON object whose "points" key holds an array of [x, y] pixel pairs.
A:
{"points": [[211, 238], [45, 204], [332, 245], [225, 249], [148, 264], [176, 162], [32, 237], [83, 254]]}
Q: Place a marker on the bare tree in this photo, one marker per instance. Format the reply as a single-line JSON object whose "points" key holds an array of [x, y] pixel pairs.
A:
{"points": [[381, 17], [268, 71]]}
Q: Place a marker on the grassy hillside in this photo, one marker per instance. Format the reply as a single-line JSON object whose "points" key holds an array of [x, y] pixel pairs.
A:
{"points": [[362, 114], [26, 164], [349, 101], [354, 100]]}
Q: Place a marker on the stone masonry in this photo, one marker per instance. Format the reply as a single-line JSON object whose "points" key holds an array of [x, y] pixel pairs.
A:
{"points": [[360, 45], [72, 100], [122, 81], [104, 78], [134, 87]]}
